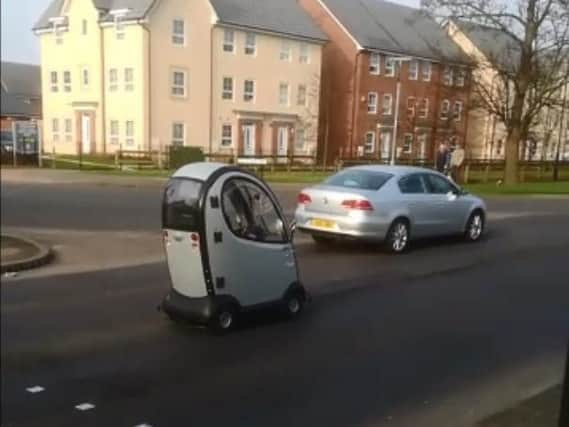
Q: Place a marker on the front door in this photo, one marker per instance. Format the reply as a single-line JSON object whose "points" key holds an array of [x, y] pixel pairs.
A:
{"points": [[385, 145], [249, 140], [282, 141], [450, 208], [250, 253], [85, 133]]}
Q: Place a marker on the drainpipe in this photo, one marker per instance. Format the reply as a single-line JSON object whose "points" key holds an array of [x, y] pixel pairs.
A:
{"points": [[103, 97], [149, 69], [210, 149], [355, 101]]}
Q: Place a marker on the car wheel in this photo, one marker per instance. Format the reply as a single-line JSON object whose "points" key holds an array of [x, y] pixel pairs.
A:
{"points": [[474, 227], [293, 304], [224, 319], [397, 238], [322, 240]]}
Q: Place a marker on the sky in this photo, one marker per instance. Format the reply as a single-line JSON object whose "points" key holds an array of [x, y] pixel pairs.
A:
{"points": [[19, 44]]}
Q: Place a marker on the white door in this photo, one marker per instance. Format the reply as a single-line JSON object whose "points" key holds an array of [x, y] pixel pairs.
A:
{"points": [[85, 133], [249, 140], [282, 141], [385, 145], [422, 146]]}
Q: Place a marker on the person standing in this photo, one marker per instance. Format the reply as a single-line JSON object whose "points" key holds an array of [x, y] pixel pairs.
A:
{"points": [[441, 160], [456, 161]]}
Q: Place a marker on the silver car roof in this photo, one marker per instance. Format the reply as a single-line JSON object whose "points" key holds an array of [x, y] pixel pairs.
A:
{"points": [[393, 170]]}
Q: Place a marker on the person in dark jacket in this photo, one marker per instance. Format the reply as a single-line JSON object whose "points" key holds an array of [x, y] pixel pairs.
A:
{"points": [[442, 158]]}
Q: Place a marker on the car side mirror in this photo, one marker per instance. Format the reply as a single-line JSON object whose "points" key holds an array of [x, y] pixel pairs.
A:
{"points": [[452, 195]]}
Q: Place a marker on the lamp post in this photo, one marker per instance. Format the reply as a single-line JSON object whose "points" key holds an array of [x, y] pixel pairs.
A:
{"points": [[397, 60]]}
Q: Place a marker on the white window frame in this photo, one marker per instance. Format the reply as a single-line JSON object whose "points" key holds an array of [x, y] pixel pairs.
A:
{"points": [[285, 53], [54, 82], [178, 39], [460, 77], [448, 75], [84, 28], [372, 100], [375, 63], [114, 134], [299, 140], [302, 89], [304, 53], [113, 83], [389, 66], [129, 133], [226, 141], [85, 73], [250, 47], [284, 102], [174, 87], [369, 145], [68, 129], [55, 129], [129, 82], [411, 110], [407, 143], [383, 102], [422, 136], [457, 111], [249, 96], [426, 70], [424, 110], [225, 91], [67, 86], [176, 140], [119, 23], [58, 35], [228, 40], [414, 69], [445, 109]]}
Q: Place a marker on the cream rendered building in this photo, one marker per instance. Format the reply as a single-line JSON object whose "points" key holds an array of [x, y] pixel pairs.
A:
{"points": [[225, 75]]}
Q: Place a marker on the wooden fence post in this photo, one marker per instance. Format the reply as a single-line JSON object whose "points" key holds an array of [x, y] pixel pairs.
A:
{"points": [[486, 173], [160, 160], [53, 165], [116, 159], [466, 172]]}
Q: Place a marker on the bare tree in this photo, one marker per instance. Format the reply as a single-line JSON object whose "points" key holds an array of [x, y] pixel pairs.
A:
{"points": [[528, 71]]}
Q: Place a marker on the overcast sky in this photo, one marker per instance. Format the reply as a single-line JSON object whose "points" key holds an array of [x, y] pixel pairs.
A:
{"points": [[19, 44]]}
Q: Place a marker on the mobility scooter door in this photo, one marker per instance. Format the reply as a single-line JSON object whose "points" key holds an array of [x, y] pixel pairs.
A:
{"points": [[251, 255]]}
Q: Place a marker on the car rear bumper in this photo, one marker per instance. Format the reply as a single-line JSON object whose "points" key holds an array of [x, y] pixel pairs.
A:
{"points": [[352, 227]]}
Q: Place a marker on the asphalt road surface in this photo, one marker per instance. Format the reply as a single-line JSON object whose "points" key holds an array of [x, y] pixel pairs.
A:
{"points": [[441, 336]]}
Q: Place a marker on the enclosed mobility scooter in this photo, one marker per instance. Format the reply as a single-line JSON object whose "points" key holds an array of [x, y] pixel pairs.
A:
{"points": [[228, 247]]}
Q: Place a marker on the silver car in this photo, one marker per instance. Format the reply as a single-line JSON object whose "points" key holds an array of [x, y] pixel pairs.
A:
{"points": [[392, 204]]}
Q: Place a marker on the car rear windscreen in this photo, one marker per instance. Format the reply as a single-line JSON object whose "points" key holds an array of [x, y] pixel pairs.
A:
{"points": [[180, 208], [360, 179]]}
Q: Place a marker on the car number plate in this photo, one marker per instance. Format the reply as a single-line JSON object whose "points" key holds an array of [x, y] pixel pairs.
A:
{"points": [[322, 223]]}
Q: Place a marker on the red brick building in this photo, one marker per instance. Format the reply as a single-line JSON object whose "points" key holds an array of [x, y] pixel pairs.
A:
{"points": [[360, 70]]}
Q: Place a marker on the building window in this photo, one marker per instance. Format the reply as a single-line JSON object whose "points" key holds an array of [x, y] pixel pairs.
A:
{"points": [[426, 71], [372, 103], [226, 136], [55, 129], [424, 109], [304, 57], [58, 36], [299, 140], [285, 51], [389, 67], [408, 143], [387, 105], [114, 132], [53, 81], [113, 79], [413, 70], [249, 91], [84, 27], [227, 89], [422, 145], [411, 106], [250, 44], [447, 76], [68, 129], [369, 144], [374, 63], [129, 133], [119, 28], [301, 95], [460, 77], [128, 79], [67, 81], [228, 41], [445, 107], [85, 77], [179, 83], [178, 134], [457, 112], [178, 32], [283, 93]]}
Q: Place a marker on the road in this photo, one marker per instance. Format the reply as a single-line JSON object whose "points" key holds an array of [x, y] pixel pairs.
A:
{"points": [[438, 337]]}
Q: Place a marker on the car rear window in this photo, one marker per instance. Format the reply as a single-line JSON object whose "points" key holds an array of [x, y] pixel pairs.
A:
{"points": [[180, 208], [360, 179]]}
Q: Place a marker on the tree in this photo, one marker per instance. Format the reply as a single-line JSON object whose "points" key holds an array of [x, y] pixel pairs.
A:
{"points": [[529, 71]]}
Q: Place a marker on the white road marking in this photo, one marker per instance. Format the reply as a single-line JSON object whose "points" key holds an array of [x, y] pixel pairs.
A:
{"points": [[84, 406], [143, 425], [35, 389]]}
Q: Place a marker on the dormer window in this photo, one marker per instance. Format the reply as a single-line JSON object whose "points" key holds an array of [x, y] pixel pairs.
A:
{"points": [[57, 26], [118, 17]]}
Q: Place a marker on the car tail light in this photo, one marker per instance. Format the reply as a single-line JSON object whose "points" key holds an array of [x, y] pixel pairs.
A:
{"points": [[304, 199], [360, 205]]}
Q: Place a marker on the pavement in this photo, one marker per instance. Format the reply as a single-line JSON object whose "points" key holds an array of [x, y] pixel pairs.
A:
{"points": [[445, 335], [18, 253]]}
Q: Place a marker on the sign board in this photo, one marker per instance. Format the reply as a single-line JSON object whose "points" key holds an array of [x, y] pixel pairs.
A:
{"points": [[251, 161], [26, 137]]}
